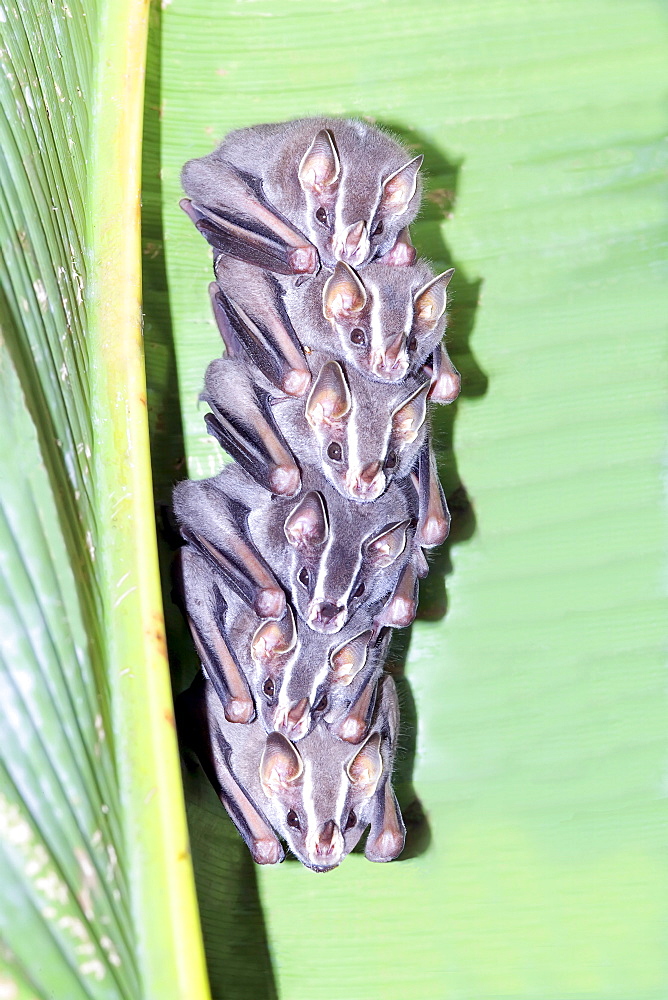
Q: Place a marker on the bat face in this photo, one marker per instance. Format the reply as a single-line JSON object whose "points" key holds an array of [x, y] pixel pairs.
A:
{"points": [[332, 557], [360, 189], [323, 682], [367, 435], [387, 320], [320, 793]]}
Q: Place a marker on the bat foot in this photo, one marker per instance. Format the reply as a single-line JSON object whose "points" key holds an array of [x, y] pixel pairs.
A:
{"points": [[270, 603], [433, 532], [285, 480], [446, 388], [239, 710], [267, 852], [296, 382], [304, 260]]}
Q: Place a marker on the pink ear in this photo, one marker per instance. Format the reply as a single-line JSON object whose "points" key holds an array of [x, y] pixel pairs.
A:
{"points": [[366, 767], [329, 400], [348, 660], [343, 294], [306, 525], [400, 187], [274, 639], [410, 416], [281, 764], [403, 253], [384, 548], [320, 168], [429, 303]]}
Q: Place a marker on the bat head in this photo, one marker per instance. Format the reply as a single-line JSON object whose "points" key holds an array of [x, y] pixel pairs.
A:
{"points": [[388, 319], [340, 558], [367, 433], [320, 793], [354, 211]]}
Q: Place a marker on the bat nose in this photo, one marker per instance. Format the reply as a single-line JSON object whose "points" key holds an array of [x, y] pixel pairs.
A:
{"points": [[326, 617], [329, 611], [353, 244], [329, 842], [369, 472], [293, 722], [391, 363], [368, 483]]}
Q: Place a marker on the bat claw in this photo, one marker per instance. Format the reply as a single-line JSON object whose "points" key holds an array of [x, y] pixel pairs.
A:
{"points": [[296, 382], [239, 710], [304, 260], [267, 852], [270, 603], [285, 480]]}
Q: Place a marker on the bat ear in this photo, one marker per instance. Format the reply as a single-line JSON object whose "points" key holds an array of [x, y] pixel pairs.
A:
{"points": [[382, 550], [400, 187], [329, 400], [348, 660], [410, 416], [403, 253], [320, 167], [306, 526], [429, 303], [343, 294], [366, 766], [274, 639], [281, 764]]}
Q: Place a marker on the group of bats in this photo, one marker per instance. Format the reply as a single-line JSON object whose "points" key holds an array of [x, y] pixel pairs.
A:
{"points": [[303, 554]]}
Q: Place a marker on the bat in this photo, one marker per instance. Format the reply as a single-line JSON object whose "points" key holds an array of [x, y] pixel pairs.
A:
{"points": [[319, 796], [291, 195], [330, 556], [279, 671]]}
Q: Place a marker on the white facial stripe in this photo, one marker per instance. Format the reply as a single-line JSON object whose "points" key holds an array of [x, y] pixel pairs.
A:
{"points": [[338, 221], [319, 591], [284, 704], [341, 801], [408, 318], [312, 827], [322, 592], [376, 325], [352, 436], [317, 681]]}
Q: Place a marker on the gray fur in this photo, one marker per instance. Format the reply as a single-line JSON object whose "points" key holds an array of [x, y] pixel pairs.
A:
{"points": [[267, 158], [309, 793], [373, 449]]}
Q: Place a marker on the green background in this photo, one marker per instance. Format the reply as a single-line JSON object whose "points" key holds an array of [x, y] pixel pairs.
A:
{"points": [[537, 670]]}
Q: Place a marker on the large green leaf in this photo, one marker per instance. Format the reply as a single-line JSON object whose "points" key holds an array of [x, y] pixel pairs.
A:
{"points": [[96, 891], [540, 696]]}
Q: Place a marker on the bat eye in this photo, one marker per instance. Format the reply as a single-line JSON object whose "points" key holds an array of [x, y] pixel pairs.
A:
{"points": [[303, 576], [322, 704], [334, 452], [268, 687], [321, 216], [293, 820], [359, 591], [378, 230], [357, 336], [351, 821], [391, 460], [412, 344]]}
